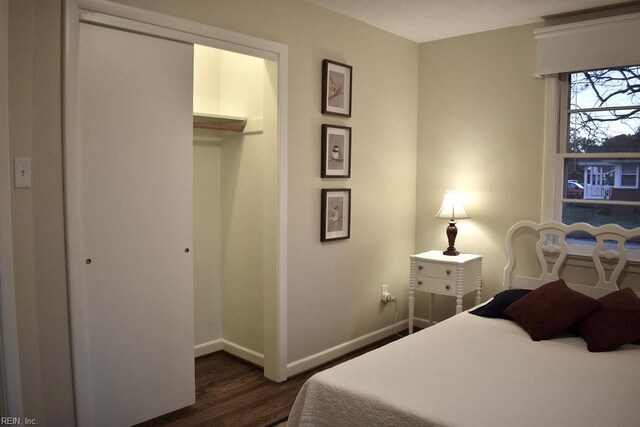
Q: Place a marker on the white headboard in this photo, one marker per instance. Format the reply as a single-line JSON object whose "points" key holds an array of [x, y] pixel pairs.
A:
{"points": [[614, 252]]}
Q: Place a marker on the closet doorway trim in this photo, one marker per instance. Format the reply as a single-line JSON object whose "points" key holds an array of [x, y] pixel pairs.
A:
{"points": [[148, 22]]}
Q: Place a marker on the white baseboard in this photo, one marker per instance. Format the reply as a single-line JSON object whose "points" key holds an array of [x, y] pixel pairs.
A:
{"points": [[208, 347], [325, 356], [309, 362], [231, 348], [422, 323], [243, 353]]}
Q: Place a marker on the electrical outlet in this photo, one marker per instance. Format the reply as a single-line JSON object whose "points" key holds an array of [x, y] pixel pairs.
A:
{"points": [[384, 293]]}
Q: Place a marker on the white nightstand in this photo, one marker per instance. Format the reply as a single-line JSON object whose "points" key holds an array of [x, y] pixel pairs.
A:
{"points": [[440, 274]]}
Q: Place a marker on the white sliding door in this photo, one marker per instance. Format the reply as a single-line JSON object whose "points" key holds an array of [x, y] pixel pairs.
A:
{"points": [[130, 237]]}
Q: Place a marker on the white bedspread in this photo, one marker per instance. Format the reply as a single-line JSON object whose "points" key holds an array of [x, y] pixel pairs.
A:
{"points": [[473, 371]]}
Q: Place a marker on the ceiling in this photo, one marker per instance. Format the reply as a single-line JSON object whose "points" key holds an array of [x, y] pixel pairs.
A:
{"points": [[427, 20]]}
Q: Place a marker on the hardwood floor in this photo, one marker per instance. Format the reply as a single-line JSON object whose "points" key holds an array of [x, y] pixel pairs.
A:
{"points": [[232, 392]]}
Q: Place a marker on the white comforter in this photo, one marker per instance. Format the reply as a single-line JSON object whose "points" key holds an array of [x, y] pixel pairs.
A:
{"points": [[473, 371]]}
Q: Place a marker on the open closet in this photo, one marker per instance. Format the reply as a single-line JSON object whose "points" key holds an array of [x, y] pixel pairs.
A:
{"points": [[234, 192], [172, 217]]}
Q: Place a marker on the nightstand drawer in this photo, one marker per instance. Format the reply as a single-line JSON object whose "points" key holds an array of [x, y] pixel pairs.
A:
{"points": [[444, 271], [436, 285]]}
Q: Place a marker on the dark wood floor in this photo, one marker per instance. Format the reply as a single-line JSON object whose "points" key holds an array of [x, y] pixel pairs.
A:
{"points": [[231, 392]]}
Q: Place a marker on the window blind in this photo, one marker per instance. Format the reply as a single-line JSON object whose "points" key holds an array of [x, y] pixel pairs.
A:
{"points": [[600, 43]]}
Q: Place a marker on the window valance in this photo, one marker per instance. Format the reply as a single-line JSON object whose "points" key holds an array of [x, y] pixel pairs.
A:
{"points": [[600, 43]]}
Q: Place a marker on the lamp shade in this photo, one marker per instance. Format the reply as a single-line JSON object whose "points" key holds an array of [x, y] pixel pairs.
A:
{"points": [[452, 207]]}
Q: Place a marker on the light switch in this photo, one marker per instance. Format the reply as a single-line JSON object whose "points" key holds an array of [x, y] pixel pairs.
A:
{"points": [[22, 170]]}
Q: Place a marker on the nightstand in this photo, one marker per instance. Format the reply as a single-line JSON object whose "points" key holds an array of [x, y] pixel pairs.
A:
{"points": [[440, 274]]}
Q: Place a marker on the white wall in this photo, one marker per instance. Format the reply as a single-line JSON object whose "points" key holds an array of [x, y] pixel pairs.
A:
{"points": [[480, 131]]}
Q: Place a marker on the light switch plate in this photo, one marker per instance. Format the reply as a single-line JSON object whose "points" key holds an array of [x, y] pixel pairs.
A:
{"points": [[22, 169]]}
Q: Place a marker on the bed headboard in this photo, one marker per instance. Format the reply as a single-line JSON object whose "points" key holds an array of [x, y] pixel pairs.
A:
{"points": [[613, 252]]}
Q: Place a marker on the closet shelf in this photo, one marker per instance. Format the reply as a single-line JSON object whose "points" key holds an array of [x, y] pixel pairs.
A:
{"points": [[218, 122]]}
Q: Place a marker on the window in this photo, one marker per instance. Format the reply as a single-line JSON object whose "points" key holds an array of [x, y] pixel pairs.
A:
{"points": [[628, 176], [599, 147]]}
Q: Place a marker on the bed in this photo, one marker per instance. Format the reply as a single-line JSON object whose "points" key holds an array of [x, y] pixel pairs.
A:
{"points": [[478, 371]]}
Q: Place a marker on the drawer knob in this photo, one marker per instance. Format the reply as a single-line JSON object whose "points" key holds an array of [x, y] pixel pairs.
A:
{"points": [[448, 287], [420, 267], [448, 271], [419, 282]]}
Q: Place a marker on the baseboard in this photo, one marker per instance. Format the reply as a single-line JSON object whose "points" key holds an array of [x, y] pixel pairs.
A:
{"points": [[243, 353], [231, 348], [422, 323], [309, 362], [325, 356], [208, 347]]}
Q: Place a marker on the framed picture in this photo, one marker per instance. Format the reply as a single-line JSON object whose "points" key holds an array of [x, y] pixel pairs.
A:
{"points": [[336, 214], [336, 152], [336, 88]]}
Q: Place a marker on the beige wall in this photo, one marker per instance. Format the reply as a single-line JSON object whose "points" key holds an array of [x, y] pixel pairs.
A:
{"points": [[242, 225], [480, 132], [479, 115], [227, 83], [333, 289], [37, 213], [207, 236], [206, 80]]}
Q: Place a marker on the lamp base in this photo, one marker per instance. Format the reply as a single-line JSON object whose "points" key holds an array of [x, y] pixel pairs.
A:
{"points": [[452, 233]]}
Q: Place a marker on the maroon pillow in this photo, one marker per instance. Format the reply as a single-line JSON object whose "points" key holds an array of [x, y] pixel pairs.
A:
{"points": [[615, 323], [547, 311]]}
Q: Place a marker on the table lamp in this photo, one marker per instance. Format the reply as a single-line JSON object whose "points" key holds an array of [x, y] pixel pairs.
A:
{"points": [[452, 209]]}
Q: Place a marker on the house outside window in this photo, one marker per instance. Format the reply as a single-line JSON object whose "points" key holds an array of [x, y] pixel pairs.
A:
{"points": [[628, 176], [599, 147]]}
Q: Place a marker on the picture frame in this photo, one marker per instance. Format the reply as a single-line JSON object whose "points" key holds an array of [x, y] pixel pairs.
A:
{"points": [[336, 214], [336, 88], [336, 152]]}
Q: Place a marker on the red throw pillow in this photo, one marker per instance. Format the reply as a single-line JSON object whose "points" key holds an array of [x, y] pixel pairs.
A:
{"points": [[549, 310], [615, 323]]}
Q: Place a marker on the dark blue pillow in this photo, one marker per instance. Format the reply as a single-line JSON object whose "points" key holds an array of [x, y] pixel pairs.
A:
{"points": [[500, 302]]}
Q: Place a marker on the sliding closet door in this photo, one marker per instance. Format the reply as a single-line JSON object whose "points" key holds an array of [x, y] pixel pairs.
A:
{"points": [[132, 298]]}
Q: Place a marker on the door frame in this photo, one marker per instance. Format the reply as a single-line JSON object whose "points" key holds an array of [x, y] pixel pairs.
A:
{"points": [[148, 22]]}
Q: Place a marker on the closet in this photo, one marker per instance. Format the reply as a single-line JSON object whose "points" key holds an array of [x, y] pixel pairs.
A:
{"points": [[233, 193], [171, 230]]}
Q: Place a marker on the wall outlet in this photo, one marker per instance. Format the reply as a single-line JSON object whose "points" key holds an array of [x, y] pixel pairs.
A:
{"points": [[384, 293]]}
